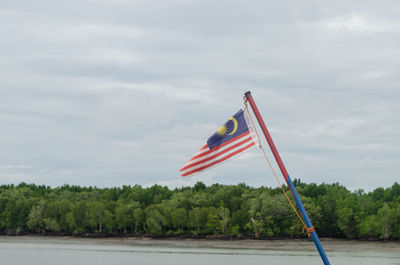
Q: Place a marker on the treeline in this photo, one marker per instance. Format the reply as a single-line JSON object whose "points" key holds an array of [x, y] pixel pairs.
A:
{"points": [[237, 211]]}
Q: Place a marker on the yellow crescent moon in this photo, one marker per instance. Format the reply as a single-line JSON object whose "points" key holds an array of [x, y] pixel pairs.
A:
{"points": [[235, 125]]}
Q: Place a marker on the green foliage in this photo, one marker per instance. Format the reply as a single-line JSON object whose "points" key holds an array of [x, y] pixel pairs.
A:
{"points": [[35, 218], [235, 210], [155, 220], [51, 225], [199, 218]]}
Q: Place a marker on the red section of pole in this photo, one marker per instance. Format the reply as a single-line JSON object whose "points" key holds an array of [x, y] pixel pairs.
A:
{"points": [[267, 135]]}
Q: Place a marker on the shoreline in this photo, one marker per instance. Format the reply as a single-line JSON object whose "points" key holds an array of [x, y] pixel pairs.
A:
{"points": [[330, 244], [184, 237]]}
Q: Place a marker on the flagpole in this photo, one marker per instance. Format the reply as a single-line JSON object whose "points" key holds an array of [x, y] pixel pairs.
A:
{"points": [[285, 174]]}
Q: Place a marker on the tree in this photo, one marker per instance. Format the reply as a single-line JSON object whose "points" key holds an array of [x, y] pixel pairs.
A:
{"points": [[213, 224], [64, 208], [96, 213], [329, 206], [80, 214], [70, 222], [155, 220], [179, 219], [224, 215], [257, 218], [199, 218], [218, 209], [108, 221], [51, 224], [139, 220], [35, 218], [387, 217], [16, 213], [369, 227], [122, 216]]}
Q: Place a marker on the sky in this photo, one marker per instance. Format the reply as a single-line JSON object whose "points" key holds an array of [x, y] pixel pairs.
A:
{"points": [[112, 93]]}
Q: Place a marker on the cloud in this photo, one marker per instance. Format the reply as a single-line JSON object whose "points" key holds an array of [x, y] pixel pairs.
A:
{"points": [[124, 92], [356, 22], [17, 166]]}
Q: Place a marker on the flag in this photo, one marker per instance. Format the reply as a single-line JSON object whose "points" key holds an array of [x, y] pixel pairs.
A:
{"points": [[231, 139]]}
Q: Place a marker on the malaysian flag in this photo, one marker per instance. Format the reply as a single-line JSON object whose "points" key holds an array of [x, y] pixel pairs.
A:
{"points": [[233, 138]]}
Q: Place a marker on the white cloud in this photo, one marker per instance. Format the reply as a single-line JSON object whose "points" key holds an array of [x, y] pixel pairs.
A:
{"points": [[361, 23], [16, 166], [124, 92]]}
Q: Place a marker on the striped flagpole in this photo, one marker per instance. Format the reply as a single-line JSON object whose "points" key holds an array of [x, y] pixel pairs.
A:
{"points": [[285, 174]]}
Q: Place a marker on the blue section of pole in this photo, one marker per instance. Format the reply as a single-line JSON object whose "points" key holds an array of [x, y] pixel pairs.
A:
{"points": [[308, 222]]}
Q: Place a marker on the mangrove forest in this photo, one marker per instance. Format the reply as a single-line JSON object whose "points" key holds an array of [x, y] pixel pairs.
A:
{"points": [[226, 211]]}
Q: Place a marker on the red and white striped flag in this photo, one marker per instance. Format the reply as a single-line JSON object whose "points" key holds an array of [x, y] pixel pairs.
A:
{"points": [[233, 138]]}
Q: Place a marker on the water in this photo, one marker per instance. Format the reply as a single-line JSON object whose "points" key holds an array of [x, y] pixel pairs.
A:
{"points": [[62, 251]]}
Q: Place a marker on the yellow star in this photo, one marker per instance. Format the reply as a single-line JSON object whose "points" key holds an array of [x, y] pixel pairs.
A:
{"points": [[222, 131]]}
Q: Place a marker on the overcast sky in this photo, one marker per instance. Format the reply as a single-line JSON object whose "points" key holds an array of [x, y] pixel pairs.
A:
{"points": [[111, 93]]}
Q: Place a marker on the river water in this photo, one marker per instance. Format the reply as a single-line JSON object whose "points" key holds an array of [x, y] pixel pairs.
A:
{"points": [[63, 251]]}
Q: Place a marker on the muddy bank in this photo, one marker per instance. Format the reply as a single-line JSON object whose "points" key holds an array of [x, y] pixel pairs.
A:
{"points": [[276, 244]]}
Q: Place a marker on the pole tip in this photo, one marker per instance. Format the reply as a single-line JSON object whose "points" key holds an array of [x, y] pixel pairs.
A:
{"points": [[248, 93]]}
